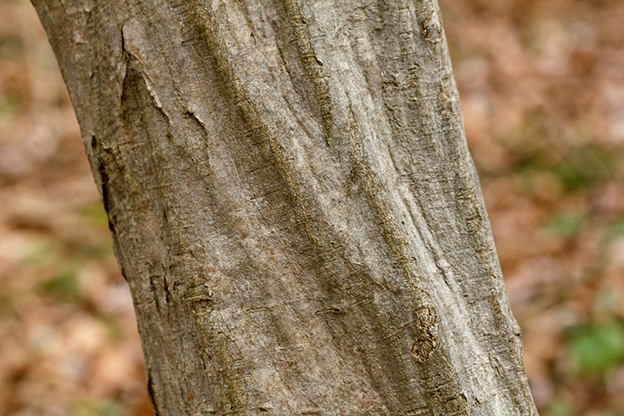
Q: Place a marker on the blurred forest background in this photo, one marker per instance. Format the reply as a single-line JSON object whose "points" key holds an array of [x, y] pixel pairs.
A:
{"points": [[542, 89]]}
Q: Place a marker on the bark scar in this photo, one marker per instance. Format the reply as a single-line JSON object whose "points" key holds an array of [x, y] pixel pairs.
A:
{"points": [[432, 28], [425, 320], [132, 37]]}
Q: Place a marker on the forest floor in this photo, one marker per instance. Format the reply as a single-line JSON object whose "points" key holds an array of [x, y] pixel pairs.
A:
{"points": [[542, 90]]}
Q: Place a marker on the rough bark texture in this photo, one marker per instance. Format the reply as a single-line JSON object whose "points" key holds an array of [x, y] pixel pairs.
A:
{"points": [[293, 205]]}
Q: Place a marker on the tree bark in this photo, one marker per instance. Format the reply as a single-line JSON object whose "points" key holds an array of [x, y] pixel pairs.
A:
{"points": [[293, 205]]}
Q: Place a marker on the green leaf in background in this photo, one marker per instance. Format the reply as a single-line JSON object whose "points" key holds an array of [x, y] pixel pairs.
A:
{"points": [[38, 252], [9, 108], [585, 166], [99, 250], [597, 347], [64, 286], [96, 215], [566, 224], [560, 408], [614, 230], [96, 408]]}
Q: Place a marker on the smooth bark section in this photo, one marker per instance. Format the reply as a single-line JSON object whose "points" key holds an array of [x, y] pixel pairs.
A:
{"points": [[293, 205]]}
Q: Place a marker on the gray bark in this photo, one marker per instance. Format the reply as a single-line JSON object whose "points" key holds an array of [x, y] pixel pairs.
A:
{"points": [[293, 205]]}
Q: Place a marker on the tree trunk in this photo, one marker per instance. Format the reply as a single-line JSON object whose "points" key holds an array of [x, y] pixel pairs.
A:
{"points": [[293, 205]]}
